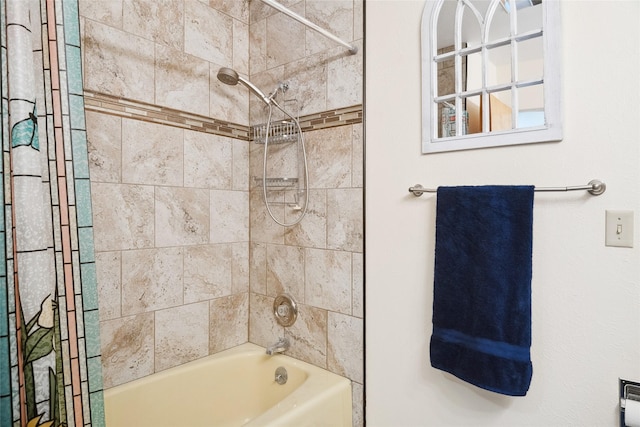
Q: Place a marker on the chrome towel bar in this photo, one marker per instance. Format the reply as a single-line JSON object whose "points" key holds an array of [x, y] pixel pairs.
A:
{"points": [[595, 187]]}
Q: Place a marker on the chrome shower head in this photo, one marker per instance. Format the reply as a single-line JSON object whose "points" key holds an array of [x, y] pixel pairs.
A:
{"points": [[232, 78], [228, 76]]}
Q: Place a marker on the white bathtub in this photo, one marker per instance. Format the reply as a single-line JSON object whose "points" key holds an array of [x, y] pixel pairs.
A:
{"points": [[236, 387]]}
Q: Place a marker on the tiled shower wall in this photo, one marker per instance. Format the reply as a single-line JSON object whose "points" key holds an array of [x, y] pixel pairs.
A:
{"points": [[319, 261], [188, 262]]}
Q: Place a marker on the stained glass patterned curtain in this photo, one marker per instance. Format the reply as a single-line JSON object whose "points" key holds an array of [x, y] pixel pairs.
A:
{"points": [[50, 368]]}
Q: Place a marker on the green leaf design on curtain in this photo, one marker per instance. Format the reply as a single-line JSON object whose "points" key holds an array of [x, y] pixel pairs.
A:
{"points": [[53, 398], [25, 132], [39, 344]]}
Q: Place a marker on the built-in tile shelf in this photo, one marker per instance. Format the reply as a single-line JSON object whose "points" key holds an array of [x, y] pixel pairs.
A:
{"points": [[123, 107]]}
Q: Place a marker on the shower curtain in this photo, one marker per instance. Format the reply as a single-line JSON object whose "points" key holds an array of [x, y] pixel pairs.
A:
{"points": [[50, 371]]}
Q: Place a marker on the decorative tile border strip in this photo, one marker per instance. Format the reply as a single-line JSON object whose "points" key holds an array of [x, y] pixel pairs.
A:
{"points": [[123, 107]]}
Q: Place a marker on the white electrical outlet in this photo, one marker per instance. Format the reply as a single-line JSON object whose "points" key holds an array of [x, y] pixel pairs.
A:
{"points": [[619, 229]]}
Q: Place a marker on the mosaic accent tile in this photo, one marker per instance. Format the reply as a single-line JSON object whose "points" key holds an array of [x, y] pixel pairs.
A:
{"points": [[124, 107]]}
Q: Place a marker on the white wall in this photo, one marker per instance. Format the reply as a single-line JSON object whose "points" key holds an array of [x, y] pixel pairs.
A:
{"points": [[586, 297]]}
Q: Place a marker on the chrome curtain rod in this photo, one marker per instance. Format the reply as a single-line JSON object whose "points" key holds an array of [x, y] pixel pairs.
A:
{"points": [[595, 187], [305, 21]]}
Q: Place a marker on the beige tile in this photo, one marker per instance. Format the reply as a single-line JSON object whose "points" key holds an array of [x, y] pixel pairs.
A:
{"points": [[283, 38], [358, 19], [182, 216], [307, 79], [258, 46], [312, 230], [161, 21], [240, 165], [344, 79], [229, 324], [263, 228], [207, 272], [182, 81], [240, 267], [345, 229], [228, 102], [104, 146], [357, 170], [334, 16], [208, 34], [263, 328], [127, 349], [208, 160], [357, 397], [357, 287], [152, 279], [181, 335], [285, 271], [122, 216], [258, 267], [151, 153], [117, 63], [328, 280], [345, 348], [229, 216], [240, 47], [107, 12], [239, 9], [329, 157], [267, 81], [308, 336], [109, 284]]}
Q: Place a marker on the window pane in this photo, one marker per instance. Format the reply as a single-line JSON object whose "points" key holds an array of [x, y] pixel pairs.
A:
{"points": [[499, 25], [474, 114], [471, 29], [530, 18], [530, 62], [499, 65], [448, 120], [531, 106], [500, 111], [446, 74], [474, 71]]}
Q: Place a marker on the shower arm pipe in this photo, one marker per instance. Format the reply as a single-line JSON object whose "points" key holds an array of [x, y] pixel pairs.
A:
{"points": [[274, 4]]}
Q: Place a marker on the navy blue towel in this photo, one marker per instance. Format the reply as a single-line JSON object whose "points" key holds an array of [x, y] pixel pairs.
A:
{"points": [[482, 286]]}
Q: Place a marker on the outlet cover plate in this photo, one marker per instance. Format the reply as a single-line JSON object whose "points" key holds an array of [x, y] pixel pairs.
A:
{"points": [[619, 229]]}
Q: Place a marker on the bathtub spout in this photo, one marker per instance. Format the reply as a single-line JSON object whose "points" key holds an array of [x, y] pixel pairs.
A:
{"points": [[280, 347]]}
